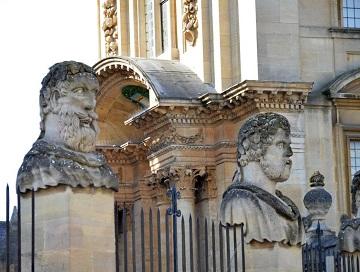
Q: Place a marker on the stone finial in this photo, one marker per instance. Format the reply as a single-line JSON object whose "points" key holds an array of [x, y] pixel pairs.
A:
{"points": [[317, 180], [318, 202]]}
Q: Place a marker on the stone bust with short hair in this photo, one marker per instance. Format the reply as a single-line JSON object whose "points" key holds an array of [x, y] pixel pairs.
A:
{"points": [[65, 150], [263, 159]]}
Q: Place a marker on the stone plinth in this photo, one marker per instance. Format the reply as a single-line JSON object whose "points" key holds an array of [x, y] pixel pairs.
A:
{"points": [[272, 257], [74, 230]]}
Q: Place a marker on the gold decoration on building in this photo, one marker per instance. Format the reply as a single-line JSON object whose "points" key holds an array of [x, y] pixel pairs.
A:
{"points": [[190, 21], [110, 28]]}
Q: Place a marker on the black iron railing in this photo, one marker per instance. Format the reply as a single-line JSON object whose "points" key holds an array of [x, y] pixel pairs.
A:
{"points": [[322, 254], [167, 240]]}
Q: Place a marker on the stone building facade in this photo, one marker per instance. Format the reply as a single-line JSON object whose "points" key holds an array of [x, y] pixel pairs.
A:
{"points": [[178, 79]]}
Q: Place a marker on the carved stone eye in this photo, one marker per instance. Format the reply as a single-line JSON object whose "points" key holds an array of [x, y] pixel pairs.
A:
{"points": [[281, 145], [78, 90]]}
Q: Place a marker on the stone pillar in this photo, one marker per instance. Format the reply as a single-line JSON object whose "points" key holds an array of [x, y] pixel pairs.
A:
{"points": [[74, 230]]}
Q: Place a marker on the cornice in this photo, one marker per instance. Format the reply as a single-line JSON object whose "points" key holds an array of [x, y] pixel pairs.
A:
{"points": [[127, 153], [347, 103], [237, 101], [170, 147]]}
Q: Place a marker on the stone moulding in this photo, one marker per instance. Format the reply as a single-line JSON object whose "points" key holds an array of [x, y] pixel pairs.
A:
{"points": [[238, 101], [170, 137], [345, 86], [192, 181], [109, 66], [127, 153], [171, 147]]}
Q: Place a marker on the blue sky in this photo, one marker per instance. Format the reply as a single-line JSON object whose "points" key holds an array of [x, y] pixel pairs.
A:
{"points": [[35, 35]]}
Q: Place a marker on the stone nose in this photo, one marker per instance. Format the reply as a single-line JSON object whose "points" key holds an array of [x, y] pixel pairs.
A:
{"points": [[289, 152], [89, 104]]}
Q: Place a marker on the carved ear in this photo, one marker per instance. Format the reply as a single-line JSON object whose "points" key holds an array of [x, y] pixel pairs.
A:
{"points": [[54, 97]]}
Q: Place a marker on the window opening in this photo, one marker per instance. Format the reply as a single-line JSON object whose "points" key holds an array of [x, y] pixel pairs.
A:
{"points": [[354, 156], [351, 13], [164, 24]]}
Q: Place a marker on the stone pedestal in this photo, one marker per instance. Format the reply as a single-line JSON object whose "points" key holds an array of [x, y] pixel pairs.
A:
{"points": [[74, 230], [272, 257]]}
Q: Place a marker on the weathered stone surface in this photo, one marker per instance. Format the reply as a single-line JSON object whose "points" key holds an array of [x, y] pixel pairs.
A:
{"points": [[273, 257], [263, 160], [65, 151], [48, 164], [349, 235], [76, 233]]}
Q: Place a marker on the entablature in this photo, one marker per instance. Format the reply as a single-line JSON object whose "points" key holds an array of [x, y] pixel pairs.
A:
{"points": [[236, 102]]}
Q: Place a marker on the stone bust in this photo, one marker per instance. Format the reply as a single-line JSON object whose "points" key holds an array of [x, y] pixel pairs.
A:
{"points": [[263, 159], [349, 235], [65, 150]]}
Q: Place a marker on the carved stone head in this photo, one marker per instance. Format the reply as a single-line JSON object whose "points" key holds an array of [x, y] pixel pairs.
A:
{"points": [[355, 193], [67, 106], [265, 138]]}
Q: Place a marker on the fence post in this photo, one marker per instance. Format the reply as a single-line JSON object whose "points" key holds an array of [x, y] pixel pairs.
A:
{"points": [[32, 231], [7, 229], [318, 234], [19, 229], [172, 210], [116, 221]]}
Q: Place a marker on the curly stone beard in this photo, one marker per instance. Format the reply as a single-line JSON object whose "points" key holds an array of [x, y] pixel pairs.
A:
{"points": [[78, 130], [278, 171]]}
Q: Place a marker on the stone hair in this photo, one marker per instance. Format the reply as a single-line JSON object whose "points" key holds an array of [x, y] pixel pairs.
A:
{"points": [[355, 186], [60, 73], [257, 134]]}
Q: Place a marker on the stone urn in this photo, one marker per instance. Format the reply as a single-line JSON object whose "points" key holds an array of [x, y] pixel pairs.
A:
{"points": [[318, 202]]}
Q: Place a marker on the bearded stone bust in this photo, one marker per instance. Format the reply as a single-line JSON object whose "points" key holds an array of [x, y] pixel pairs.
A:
{"points": [[349, 235], [263, 159], [65, 150]]}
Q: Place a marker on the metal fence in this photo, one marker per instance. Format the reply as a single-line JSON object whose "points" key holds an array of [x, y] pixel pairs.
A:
{"points": [[322, 254], [155, 240], [13, 236]]}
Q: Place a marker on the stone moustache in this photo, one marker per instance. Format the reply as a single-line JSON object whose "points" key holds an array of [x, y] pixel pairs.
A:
{"points": [[263, 158], [65, 150]]}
